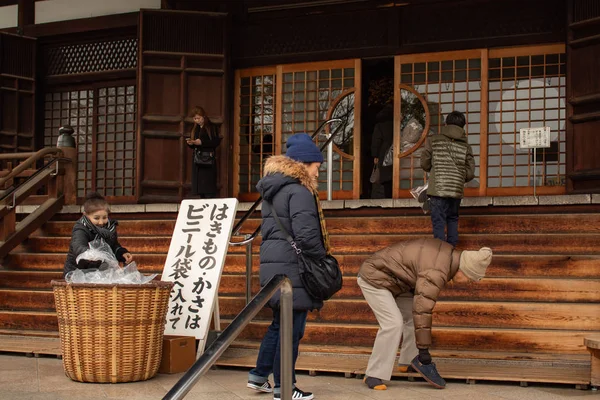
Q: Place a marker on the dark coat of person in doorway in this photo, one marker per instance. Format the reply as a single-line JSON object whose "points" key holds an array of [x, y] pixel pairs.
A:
{"points": [[383, 139], [205, 138]]}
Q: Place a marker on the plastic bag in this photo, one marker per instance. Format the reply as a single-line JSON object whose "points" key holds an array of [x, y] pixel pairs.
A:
{"points": [[109, 271], [389, 157], [420, 194], [99, 250], [374, 175]]}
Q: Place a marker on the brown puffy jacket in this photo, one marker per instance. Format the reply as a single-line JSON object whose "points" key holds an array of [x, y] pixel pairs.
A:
{"points": [[421, 266]]}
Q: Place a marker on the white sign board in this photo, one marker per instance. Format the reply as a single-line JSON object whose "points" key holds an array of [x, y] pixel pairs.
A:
{"points": [[535, 138], [195, 263]]}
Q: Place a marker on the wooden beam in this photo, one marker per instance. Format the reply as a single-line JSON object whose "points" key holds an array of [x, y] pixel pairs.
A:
{"points": [[26, 13], [106, 22]]}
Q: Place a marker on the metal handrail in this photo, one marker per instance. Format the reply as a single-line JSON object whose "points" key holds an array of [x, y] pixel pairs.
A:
{"points": [[248, 239], [218, 347], [238, 225]]}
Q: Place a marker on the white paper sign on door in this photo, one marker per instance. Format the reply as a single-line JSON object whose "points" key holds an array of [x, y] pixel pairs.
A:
{"points": [[195, 263]]}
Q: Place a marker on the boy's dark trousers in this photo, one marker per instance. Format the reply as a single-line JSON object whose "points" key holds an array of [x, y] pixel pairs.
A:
{"points": [[444, 215]]}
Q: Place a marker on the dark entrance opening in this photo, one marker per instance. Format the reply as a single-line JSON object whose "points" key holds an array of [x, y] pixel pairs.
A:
{"points": [[378, 91]]}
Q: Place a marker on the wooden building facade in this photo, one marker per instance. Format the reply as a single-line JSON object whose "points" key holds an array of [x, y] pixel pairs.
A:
{"points": [[266, 69]]}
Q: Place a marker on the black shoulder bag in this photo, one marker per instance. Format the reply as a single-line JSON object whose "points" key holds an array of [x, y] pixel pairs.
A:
{"points": [[321, 278], [204, 158]]}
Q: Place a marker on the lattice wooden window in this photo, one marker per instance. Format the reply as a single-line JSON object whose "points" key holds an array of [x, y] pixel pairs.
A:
{"points": [[73, 108], [115, 141], [256, 128], [308, 99], [104, 120], [91, 57], [447, 84], [526, 91]]}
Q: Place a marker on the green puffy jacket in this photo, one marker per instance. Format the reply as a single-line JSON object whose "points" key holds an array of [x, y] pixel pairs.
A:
{"points": [[448, 158]]}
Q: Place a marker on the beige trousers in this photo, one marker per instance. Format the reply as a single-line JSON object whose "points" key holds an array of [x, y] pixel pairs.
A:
{"points": [[395, 319]]}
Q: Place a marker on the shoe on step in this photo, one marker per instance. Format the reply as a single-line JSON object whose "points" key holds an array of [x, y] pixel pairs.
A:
{"points": [[429, 373], [374, 383], [264, 387]]}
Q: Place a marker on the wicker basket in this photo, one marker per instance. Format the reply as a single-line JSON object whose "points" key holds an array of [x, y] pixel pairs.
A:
{"points": [[111, 332]]}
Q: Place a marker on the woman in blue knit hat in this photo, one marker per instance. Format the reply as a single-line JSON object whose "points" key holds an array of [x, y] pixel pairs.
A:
{"points": [[290, 187]]}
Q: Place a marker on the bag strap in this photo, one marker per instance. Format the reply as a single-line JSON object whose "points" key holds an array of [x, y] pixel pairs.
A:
{"points": [[288, 237]]}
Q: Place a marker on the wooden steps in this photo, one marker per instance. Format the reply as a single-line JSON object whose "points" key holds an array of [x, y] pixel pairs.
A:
{"points": [[450, 369], [539, 299], [471, 367], [547, 244]]}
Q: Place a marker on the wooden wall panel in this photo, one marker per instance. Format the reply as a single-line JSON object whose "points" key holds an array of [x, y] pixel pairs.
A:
{"points": [[17, 93], [183, 63], [162, 94]]}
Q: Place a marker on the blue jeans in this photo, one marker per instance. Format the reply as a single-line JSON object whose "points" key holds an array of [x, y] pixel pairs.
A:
{"points": [[269, 355], [444, 216]]}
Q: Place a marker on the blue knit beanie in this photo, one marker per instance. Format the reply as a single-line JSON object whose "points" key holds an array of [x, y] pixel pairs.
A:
{"points": [[300, 147]]}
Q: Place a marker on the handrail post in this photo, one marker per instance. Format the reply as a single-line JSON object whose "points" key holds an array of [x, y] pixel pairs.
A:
{"points": [[286, 322], [248, 269], [218, 347], [69, 180], [330, 169]]}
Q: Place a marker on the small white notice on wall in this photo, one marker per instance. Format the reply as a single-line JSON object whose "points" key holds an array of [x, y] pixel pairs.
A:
{"points": [[535, 138], [195, 263]]}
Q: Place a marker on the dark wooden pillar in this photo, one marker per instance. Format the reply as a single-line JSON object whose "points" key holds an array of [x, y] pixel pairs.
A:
{"points": [[583, 93], [26, 13]]}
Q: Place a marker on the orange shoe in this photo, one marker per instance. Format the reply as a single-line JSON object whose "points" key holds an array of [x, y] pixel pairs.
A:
{"points": [[404, 368], [374, 383]]}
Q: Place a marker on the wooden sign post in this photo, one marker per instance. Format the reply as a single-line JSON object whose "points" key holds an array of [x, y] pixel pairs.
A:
{"points": [[535, 138], [195, 263]]}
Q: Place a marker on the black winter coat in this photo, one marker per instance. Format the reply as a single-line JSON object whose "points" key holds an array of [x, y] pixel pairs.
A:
{"points": [[204, 178], [288, 188], [83, 233]]}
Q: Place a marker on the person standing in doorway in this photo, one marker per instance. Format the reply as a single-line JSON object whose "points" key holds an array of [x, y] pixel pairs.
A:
{"points": [[448, 158], [204, 140], [383, 139]]}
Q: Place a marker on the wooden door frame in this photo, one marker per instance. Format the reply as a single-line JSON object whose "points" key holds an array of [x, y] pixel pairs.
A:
{"points": [[484, 54], [278, 71]]}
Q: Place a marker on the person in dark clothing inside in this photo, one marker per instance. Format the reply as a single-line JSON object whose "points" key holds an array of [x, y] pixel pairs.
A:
{"points": [[289, 186], [448, 158], [204, 140], [383, 139], [94, 224]]}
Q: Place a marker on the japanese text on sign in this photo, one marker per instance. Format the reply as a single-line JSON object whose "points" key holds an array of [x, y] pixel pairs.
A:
{"points": [[535, 138], [195, 262]]}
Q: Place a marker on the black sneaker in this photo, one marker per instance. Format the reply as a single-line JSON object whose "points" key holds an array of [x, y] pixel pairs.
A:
{"points": [[261, 387], [429, 372], [297, 394]]}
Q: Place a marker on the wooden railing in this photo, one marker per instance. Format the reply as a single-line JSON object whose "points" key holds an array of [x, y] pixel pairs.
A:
{"points": [[57, 166]]}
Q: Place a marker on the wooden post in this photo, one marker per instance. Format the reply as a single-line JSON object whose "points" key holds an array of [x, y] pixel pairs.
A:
{"points": [[593, 346], [7, 224], [26, 13], [70, 177]]}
